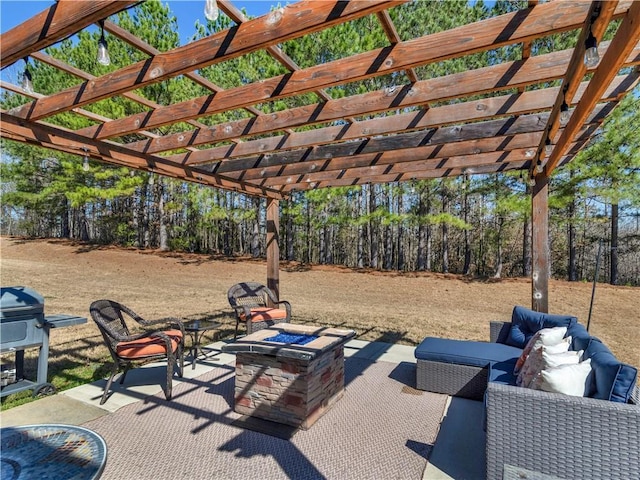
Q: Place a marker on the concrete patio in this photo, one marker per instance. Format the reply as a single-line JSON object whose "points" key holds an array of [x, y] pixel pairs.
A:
{"points": [[458, 452]]}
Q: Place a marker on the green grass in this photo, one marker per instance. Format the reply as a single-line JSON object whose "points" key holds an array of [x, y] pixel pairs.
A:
{"points": [[63, 375]]}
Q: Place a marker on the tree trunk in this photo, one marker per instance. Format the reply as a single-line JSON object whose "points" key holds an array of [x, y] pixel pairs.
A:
{"points": [[499, 262], [445, 231], [373, 230], [255, 234], [614, 244], [289, 232], [162, 217], [466, 269], [572, 267], [359, 233], [65, 229], [400, 233]]}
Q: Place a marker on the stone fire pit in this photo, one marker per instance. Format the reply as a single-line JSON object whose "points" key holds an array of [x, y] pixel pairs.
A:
{"points": [[288, 373]]}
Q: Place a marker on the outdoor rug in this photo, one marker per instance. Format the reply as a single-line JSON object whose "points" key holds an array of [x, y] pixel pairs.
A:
{"points": [[380, 429]]}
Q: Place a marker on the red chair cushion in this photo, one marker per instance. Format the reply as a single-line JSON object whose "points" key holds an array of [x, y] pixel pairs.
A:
{"points": [[263, 314], [145, 347]]}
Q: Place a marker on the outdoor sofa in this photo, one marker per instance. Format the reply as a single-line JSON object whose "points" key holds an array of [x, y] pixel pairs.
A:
{"points": [[563, 436]]}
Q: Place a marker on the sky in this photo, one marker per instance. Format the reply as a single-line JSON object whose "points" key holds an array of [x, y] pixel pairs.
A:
{"points": [[14, 12]]}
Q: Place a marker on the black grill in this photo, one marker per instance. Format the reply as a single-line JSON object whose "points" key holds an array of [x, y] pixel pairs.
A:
{"points": [[23, 325]]}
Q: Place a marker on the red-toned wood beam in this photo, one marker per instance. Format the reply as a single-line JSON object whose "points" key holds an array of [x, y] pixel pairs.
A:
{"points": [[392, 34], [136, 42], [472, 111], [526, 45], [85, 113], [66, 140], [59, 64], [276, 52], [62, 19], [425, 174], [273, 246], [479, 36], [627, 37], [290, 22], [575, 72], [539, 68]]}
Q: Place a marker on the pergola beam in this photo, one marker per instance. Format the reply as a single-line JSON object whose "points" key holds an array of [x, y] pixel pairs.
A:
{"points": [[483, 80], [70, 142], [59, 21], [475, 110], [478, 36], [602, 12], [627, 36], [281, 25]]}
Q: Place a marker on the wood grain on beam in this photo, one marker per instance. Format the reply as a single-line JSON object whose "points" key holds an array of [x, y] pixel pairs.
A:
{"points": [[576, 70], [120, 155], [281, 25], [479, 36], [495, 78], [627, 37], [62, 19], [506, 105]]}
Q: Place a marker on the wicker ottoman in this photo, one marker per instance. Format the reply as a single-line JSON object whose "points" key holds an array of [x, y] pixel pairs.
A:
{"points": [[458, 367]]}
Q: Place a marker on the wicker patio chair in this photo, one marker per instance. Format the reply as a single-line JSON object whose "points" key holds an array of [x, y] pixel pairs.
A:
{"points": [[127, 348], [256, 306]]}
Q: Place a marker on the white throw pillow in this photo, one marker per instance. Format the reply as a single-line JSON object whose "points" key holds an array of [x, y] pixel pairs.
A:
{"points": [[567, 379], [545, 336], [548, 360]]}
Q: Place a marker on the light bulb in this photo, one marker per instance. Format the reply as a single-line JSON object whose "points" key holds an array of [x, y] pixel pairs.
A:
{"points": [[591, 57], [548, 148], [27, 83], [85, 163], [103, 52], [211, 10], [564, 114]]}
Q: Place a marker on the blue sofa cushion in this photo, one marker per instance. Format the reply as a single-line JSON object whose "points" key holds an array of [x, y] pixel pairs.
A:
{"points": [[580, 338], [465, 352], [611, 380], [525, 322], [502, 372]]}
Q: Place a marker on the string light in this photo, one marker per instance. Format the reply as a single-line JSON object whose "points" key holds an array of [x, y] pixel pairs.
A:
{"points": [[27, 80], [548, 147], [564, 113], [103, 51], [85, 161], [591, 57], [211, 10]]}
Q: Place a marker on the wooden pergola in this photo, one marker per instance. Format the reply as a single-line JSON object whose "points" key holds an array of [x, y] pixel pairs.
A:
{"points": [[417, 129]]}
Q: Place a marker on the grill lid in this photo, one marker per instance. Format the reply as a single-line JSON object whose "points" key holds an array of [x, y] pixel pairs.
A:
{"points": [[20, 301]]}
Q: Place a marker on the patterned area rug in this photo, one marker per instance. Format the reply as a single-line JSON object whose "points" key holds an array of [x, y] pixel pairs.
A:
{"points": [[380, 429]]}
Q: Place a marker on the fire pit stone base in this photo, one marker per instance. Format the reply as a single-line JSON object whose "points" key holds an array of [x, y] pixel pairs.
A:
{"points": [[293, 385]]}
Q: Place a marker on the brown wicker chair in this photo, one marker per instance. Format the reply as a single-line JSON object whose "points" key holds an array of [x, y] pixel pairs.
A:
{"points": [[127, 348], [255, 305]]}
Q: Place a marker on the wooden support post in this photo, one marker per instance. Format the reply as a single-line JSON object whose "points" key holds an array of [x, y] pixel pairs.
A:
{"points": [[273, 246], [540, 245]]}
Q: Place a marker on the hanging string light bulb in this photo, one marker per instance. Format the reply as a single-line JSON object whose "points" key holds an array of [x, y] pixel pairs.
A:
{"points": [[211, 10], [565, 116], [85, 161], [103, 52], [591, 57], [27, 80]]}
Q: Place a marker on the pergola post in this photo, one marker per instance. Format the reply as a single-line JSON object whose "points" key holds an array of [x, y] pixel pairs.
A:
{"points": [[273, 246], [540, 245]]}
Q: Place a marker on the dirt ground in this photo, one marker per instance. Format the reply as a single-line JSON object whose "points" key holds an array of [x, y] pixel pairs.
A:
{"points": [[383, 306]]}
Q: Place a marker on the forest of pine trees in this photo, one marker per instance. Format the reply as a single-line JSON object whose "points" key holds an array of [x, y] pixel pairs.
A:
{"points": [[473, 225]]}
